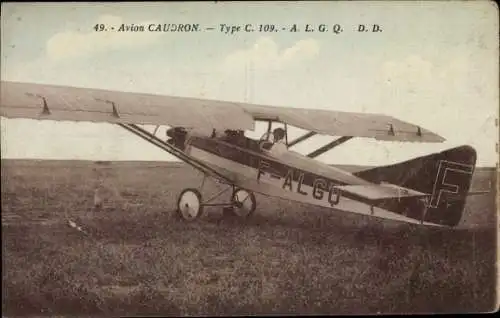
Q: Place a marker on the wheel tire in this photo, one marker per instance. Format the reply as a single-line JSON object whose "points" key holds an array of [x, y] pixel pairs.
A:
{"points": [[189, 207], [244, 203]]}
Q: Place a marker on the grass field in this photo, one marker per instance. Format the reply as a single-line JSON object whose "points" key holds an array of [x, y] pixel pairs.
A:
{"points": [[136, 258]]}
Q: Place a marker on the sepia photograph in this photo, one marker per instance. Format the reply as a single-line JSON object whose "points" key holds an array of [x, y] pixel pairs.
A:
{"points": [[249, 158]]}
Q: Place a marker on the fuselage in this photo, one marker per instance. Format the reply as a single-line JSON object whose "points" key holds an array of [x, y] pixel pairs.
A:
{"points": [[290, 176], [250, 156]]}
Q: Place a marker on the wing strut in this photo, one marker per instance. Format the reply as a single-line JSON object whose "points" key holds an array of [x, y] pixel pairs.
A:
{"points": [[115, 111], [45, 110], [146, 135], [329, 146], [301, 138]]}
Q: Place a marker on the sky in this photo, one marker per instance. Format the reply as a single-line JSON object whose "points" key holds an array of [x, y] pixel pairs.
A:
{"points": [[434, 64]]}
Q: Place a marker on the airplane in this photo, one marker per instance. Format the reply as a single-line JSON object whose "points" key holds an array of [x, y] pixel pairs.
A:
{"points": [[209, 135]]}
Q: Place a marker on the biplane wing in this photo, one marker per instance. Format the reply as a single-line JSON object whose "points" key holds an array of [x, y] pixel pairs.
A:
{"points": [[51, 102]]}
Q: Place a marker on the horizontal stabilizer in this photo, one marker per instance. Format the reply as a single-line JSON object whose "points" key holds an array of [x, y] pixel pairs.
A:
{"points": [[478, 192], [379, 192]]}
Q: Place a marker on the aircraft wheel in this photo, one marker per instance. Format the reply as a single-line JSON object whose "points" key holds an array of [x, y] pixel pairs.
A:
{"points": [[244, 203], [189, 205]]}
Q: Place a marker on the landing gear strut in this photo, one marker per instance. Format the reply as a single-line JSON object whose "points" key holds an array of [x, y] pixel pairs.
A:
{"points": [[190, 203]]}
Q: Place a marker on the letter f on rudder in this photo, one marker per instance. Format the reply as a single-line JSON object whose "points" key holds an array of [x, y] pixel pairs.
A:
{"points": [[451, 178]]}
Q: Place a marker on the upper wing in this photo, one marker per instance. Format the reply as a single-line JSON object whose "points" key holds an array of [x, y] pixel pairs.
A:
{"points": [[338, 123], [37, 101]]}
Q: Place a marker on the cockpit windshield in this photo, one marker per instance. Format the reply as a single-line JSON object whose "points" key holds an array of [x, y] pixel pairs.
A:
{"points": [[269, 140]]}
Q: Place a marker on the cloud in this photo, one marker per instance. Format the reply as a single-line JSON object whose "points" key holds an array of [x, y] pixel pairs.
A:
{"points": [[71, 44], [265, 54]]}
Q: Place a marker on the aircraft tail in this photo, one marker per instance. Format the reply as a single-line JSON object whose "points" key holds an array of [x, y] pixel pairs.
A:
{"points": [[446, 176]]}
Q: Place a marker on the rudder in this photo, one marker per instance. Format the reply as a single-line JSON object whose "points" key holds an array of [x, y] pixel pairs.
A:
{"points": [[446, 176]]}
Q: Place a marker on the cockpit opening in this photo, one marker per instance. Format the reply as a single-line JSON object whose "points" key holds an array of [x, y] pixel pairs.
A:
{"points": [[271, 141]]}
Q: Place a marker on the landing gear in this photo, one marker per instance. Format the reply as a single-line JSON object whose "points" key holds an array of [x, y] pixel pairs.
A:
{"points": [[189, 206], [244, 203], [190, 203]]}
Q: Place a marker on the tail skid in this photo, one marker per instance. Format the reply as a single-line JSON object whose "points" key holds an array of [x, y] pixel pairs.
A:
{"points": [[445, 176]]}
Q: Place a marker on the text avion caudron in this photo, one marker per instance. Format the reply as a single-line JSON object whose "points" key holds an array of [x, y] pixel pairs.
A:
{"points": [[160, 27]]}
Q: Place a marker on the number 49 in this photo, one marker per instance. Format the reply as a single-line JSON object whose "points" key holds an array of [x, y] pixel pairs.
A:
{"points": [[99, 27]]}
